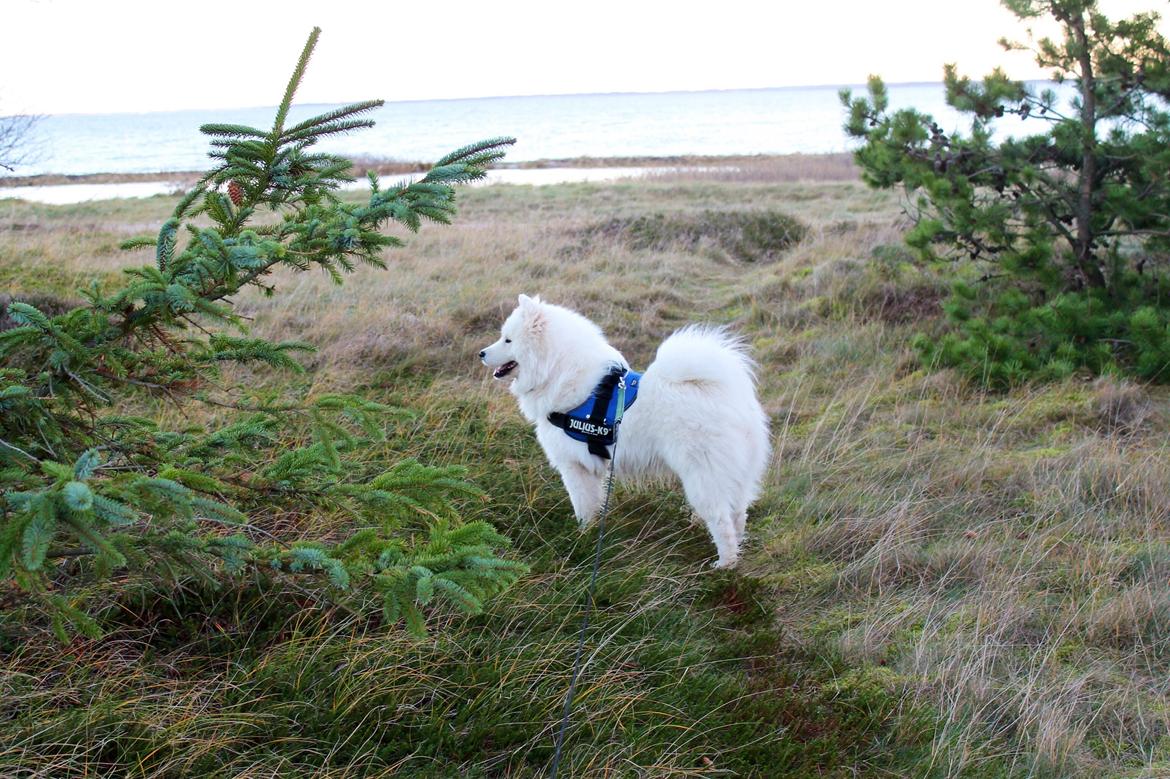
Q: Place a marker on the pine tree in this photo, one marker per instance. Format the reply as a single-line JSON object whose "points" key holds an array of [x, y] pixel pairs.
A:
{"points": [[82, 482], [1071, 225]]}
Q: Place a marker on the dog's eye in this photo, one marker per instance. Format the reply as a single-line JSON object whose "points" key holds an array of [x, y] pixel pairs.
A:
{"points": [[507, 340]]}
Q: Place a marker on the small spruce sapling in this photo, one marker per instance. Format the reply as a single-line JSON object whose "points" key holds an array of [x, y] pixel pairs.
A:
{"points": [[88, 490]]}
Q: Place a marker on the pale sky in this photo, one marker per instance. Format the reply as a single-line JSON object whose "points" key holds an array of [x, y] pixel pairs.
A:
{"points": [[62, 56]]}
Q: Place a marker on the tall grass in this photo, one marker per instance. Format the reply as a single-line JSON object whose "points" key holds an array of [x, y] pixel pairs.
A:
{"points": [[939, 582]]}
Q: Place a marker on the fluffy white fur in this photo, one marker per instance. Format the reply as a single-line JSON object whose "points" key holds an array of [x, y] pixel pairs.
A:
{"points": [[696, 415]]}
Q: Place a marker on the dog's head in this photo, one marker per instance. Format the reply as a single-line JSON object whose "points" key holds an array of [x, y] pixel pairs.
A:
{"points": [[521, 340]]}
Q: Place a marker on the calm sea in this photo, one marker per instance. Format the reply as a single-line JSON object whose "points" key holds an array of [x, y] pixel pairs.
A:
{"points": [[757, 121]]}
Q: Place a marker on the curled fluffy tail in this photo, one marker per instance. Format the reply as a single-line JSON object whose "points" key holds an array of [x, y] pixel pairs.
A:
{"points": [[702, 354]]}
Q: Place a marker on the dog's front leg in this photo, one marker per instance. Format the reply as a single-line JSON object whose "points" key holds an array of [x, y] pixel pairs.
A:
{"points": [[586, 490]]}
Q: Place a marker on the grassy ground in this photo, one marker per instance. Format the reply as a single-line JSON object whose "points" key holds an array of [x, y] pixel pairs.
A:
{"points": [[939, 582]]}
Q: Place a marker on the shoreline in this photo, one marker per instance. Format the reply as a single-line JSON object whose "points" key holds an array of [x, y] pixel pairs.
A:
{"points": [[831, 166]]}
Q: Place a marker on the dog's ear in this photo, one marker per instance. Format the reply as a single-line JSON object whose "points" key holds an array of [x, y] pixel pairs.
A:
{"points": [[534, 316], [537, 322]]}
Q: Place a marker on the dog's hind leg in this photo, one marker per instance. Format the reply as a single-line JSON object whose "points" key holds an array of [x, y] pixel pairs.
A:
{"points": [[740, 518], [704, 495], [722, 527], [726, 541]]}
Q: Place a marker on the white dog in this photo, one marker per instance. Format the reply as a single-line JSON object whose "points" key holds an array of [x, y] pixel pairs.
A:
{"points": [[695, 413]]}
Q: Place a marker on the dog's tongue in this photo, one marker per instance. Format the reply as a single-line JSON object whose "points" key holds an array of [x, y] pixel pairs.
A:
{"points": [[504, 369]]}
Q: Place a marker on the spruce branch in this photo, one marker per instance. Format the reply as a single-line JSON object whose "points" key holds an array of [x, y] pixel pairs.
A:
{"points": [[78, 479], [294, 83], [331, 117]]}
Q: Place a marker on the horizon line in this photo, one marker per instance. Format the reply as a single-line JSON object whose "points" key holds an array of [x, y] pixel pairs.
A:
{"points": [[617, 93]]}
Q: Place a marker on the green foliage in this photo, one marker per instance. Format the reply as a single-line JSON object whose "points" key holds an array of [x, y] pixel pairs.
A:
{"points": [[89, 489], [1074, 219], [1004, 338]]}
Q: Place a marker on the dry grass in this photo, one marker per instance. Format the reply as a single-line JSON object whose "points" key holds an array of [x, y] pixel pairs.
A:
{"points": [[1000, 561], [763, 169], [1004, 557]]}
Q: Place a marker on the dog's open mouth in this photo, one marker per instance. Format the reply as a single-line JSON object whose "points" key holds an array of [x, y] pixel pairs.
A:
{"points": [[504, 369]]}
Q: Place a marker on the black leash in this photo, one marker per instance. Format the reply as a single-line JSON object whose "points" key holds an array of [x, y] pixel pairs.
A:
{"points": [[621, 407]]}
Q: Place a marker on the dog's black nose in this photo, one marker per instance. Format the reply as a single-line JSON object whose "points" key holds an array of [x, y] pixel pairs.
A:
{"points": [[483, 354]]}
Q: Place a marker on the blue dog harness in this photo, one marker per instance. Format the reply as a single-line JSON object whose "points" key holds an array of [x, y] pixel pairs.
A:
{"points": [[593, 422]]}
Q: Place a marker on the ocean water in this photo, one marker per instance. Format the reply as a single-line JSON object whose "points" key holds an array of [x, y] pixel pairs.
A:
{"points": [[757, 121]]}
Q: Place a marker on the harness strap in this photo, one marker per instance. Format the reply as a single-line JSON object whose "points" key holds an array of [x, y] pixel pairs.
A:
{"points": [[600, 405]]}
